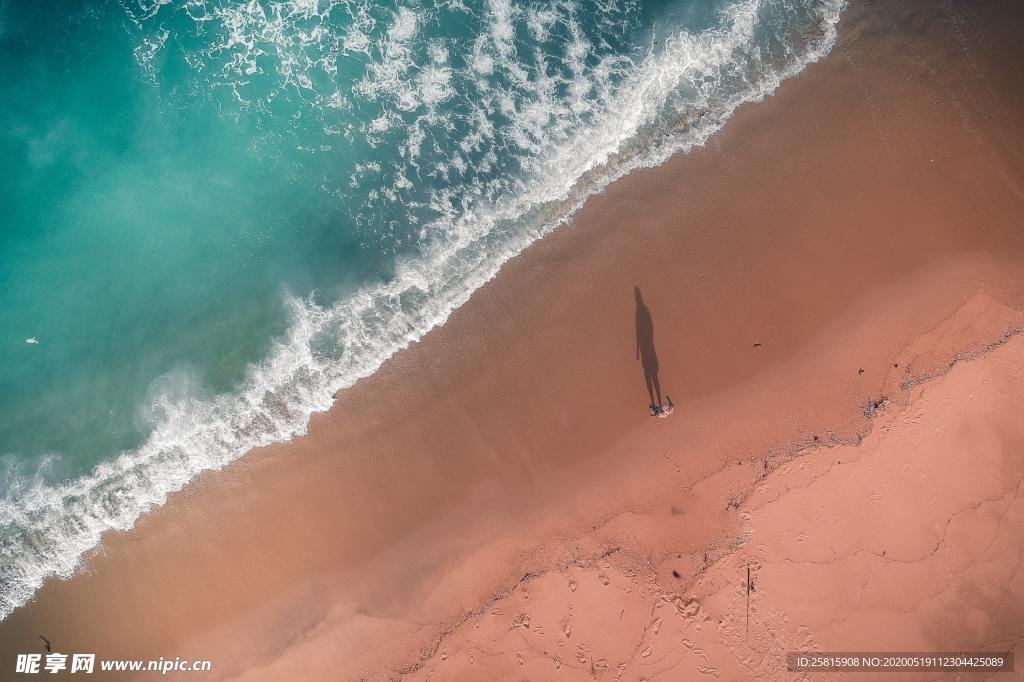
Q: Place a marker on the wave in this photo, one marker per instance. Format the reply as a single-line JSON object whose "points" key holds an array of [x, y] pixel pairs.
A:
{"points": [[625, 113]]}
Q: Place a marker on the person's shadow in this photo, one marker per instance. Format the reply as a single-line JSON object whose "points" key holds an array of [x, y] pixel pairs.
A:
{"points": [[645, 348]]}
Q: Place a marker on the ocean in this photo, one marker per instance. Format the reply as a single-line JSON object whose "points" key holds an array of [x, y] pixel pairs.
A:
{"points": [[217, 214]]}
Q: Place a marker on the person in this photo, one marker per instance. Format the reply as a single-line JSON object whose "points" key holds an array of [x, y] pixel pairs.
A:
{"points": [[662, 411]]}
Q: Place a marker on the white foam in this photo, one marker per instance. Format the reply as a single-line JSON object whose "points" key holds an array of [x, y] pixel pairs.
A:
{"points": [[572, 132]]}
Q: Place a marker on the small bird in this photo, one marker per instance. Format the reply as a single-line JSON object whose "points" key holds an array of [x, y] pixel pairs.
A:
{"points": [[34, 341]]}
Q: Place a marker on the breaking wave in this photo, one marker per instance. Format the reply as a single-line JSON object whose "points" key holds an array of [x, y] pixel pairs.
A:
{"points": [[467, 133]]}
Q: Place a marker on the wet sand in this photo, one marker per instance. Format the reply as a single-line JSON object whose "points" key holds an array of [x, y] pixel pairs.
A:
{"points": [[500, 481]]}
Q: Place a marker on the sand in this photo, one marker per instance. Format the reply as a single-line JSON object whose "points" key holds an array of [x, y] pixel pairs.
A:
{"points": [[911, 540], [834, 285]]}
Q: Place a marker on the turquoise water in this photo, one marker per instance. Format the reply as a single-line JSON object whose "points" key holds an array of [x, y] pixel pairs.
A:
{"points": [[150, 228], [219, 213]]}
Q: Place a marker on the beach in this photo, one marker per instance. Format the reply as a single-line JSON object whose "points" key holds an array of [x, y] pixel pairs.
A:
{"points": [[835, 286]]}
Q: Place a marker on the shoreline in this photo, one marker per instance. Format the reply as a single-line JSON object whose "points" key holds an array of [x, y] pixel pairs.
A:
{"points": [[163, 469], [519, 426]]}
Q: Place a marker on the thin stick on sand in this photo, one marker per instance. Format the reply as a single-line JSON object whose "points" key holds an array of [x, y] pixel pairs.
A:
{"points": [[748, 602]]}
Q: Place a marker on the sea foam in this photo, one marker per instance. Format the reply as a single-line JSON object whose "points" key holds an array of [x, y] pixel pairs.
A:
{"points": [[537, 134]]}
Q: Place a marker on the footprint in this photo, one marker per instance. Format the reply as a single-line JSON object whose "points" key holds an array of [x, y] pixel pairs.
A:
{"points": [[573, 585], [603, 578], [688, 609], [444, 654], [657, 626], [707, 671], [646, 652], [567, 630], [558, 663], [519, 659], [521, 621]]}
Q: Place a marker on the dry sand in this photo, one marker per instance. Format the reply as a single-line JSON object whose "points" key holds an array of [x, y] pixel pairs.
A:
{"points": [[496, 503]]}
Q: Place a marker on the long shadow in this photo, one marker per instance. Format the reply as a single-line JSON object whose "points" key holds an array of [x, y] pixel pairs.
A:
{"points": [[645, 351]]}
